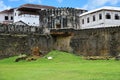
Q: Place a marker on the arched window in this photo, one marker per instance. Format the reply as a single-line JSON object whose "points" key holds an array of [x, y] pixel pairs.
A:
{"points": [[117, 17], [108, 16]]}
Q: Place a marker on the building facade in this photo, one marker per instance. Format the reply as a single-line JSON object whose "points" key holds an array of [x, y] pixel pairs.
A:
{"points": [[27, 14], [102, 17], [61, 18], [6, 16], [29, 19]]}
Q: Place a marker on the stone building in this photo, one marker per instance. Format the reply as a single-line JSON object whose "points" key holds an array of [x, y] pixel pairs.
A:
{"points": [[60, 18]]}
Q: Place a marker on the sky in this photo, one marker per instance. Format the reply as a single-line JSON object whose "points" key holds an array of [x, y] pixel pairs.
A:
{"points": [[84, 4]]}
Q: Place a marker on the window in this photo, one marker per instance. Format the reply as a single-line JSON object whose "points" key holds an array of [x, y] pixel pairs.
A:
{"points": [[82, 21], [64, 22], [15, 14], [94, 18], [6, 17], [11, 17], [88, 20], [100, 16], [108, 16], [117, 17]]}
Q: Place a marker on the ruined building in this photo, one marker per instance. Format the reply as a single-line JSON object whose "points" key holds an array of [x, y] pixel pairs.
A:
{"points": [[60, 18]]}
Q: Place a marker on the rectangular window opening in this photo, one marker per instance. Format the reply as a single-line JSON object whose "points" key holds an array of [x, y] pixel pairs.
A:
{"points": [[6, 17], [108, 16], [94, 18], [117, 17], [88, 20], [100, 16], [11, 17], [82, 21]]}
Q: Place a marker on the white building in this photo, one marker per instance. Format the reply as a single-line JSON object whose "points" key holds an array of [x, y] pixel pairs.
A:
{"points": [[27, 14], [29, 19], [102, 17], [6, 16]]}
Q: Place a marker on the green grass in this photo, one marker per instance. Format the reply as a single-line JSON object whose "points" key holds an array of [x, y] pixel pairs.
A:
{"points": [[64, 66]]}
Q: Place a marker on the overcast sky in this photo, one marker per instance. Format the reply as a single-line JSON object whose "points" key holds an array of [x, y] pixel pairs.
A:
{"points": [[86, 4]]}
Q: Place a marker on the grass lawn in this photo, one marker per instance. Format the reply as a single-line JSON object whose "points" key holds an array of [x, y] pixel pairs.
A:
{"points": [[63, 66]]}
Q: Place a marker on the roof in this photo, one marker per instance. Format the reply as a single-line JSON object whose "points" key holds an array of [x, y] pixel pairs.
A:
{"points": [[99, 9], [35, 6], [7, 10], [17, 23]]}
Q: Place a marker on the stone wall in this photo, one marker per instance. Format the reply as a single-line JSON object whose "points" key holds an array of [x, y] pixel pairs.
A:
{"points": [[62, 43], [90, 42], [11, 45], [97, 42], [43, 42], [19, 39]]}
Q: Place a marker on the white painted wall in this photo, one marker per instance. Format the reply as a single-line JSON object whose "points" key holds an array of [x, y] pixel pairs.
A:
{"points": [[31, 20], [99, 23], [2, 17], [112, 21]]}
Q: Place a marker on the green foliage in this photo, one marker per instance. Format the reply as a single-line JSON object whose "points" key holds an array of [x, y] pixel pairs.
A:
{"points": [[63, 66]]}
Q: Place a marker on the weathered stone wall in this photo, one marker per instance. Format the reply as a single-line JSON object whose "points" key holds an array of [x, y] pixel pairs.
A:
{"points": [[62, 43], [97, 42], [61, 18], [11, 45], [43, 42], [18, 39], [90, 42]]}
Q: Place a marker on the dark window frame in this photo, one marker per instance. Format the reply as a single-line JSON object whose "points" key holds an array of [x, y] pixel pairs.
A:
{"points": [[88, 20], [83, 22], [100, 16], [108, 16], [6, 18], [117, 17], [94, 19], [11, 18]]}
